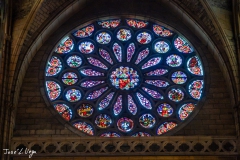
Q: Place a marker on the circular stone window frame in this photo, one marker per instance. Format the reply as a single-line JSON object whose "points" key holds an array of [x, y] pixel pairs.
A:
{"points": [[174, 130]]}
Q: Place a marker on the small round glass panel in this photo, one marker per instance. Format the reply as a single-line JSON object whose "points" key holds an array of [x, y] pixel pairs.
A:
{"points": [[124, 34], [144, 38], [103, 121], [74, 61], [161, 47], [147, 121], [175, 95], [179, 77], [125, 124], [165, 110], [103, 38], [174, 60], [85, 110], [86, 47], [69, 78], [73, 95]]}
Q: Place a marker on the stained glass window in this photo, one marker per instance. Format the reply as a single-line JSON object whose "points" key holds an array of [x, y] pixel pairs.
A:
{"points": [[124, 77]]}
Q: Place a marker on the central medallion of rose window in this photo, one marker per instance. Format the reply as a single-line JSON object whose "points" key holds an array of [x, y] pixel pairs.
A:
{"points": [[124, 78]]}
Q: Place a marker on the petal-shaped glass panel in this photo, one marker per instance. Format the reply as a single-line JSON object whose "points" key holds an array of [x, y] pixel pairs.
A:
{"points": [[90, 83], [117, 50], [141, 134], [165, 110], [109, 23], [195, 89], [152, 62], [54, 66], [74, 61], [95, 94], [195, 66], [179, 77], [64, 111], [142, 55], [175, 94], [105, 55], [73, 95], [161, 31], [157, 83], [130, 51], [105, 102], [182, 45], [144, 101], [161, 47], [84, 127], [136, 23], [157, 72], [110, 134], [86, 47], [132, 107], [153, 93], [103, 38], [147, 121], [85, 110], [97, 63], [124, 34], [91, 72], [53, 90], [174, 60], [165, 127], [103, 121], [117, 108], [125, 124], [65, 46], [84, 32], [69, 78], [144, 38], [185, 110]]}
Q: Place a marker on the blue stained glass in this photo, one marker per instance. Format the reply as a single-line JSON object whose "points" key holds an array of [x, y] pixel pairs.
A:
{"points": [[179, 77], [142, 55], [117, 108], [195, 66], [165, 110], [132, 107], [104, 54], [117, 50], [73, 95], [157, 72], [53, 90], [175, 95], [54, 66], [174, 60], [103, 121], [157, 83], [97, 63], [91, 72], [144, 38], [144, 101], [151, 62], [153, 93], [195, 89], [84, 32], [124, 35], [74, 61], [65, 46], [86, 47], [141, 134], [84, 127], [110, 134], [103, 38], [130, 51], [90, 83], [161, 47], [95, 94], [105, 102], [125, 124]]}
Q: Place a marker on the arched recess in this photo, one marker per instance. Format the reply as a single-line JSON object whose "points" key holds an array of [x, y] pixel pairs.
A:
{"points": [[149, 10]]}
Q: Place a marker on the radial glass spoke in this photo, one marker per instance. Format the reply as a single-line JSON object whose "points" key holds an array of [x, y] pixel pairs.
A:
{"points": [[90, 83], [91, 72], [132, 107], [144, 101], [95, 94], [153, 93], [105, 102], [117, 108], [151, 62], [105, 55], [130, 51], [117, 50], [142, 55], [157, 83], [157, 72], [96, 62]]}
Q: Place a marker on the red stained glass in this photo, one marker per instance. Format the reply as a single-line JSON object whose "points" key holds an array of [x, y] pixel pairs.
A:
{"points": [[161, 31], [64, 111], [165, 127], [136, 23], [182, 45], [53, 89], [84, 32], [84, 127], [65, 46], [109, 23], [54, 66]]}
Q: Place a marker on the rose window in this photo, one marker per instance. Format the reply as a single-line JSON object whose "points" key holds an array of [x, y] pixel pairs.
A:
{"points": [[124, 77]]}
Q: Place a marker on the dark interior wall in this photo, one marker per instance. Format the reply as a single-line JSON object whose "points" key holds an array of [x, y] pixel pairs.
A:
{"points": [[34, 118]]}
